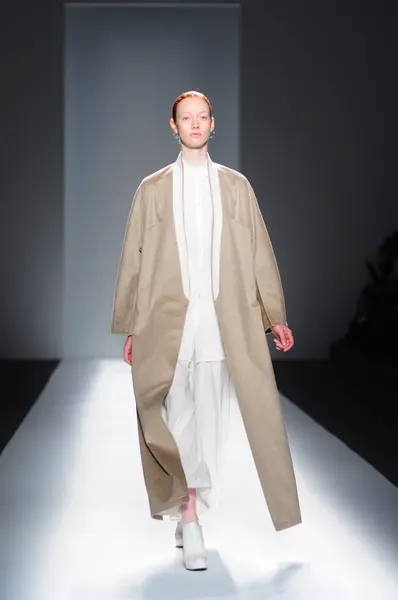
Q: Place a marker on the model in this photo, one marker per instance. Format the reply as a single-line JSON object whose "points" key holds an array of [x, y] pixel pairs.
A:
{"points": [[198, 288]]}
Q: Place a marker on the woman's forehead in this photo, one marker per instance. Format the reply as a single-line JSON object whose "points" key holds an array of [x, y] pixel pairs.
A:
{"points": [[193, 105]]}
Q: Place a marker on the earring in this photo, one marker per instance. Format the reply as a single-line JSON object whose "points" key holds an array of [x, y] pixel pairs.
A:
{"points": [[176, 136], [212, 135]]}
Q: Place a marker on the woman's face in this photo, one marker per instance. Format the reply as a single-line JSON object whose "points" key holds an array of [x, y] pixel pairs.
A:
{"points": [[193, 122]]}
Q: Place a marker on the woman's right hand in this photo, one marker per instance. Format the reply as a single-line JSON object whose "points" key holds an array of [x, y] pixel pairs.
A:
{"points": [[127, 350]]}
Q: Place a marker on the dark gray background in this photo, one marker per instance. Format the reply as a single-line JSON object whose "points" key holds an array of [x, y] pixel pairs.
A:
{"points": [[318, 96]]}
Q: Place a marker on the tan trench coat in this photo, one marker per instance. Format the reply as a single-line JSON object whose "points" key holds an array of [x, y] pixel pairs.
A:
{"points": [[150, 304]]}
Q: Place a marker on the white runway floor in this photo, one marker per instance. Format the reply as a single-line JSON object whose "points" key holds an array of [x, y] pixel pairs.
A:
{"points": [[75, 525]]}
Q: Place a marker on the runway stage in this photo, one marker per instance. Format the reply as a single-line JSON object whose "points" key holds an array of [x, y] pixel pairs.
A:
{"points": [[75, 525]]}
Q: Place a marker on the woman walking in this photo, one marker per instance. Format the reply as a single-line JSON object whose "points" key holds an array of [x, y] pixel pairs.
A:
{"points": [[198, 288]]}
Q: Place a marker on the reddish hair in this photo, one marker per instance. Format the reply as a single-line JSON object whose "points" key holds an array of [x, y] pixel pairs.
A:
{"points": [[190, 94]]}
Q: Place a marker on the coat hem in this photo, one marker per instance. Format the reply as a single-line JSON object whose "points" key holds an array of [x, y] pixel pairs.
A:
{"points": [[287, 524], [176, 503]]}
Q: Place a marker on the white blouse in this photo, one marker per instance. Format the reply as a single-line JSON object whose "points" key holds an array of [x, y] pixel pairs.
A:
{"points": [[201, 335]]}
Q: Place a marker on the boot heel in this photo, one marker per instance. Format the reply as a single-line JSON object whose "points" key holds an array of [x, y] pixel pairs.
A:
{"points": [[178, 536], [194, 552]]}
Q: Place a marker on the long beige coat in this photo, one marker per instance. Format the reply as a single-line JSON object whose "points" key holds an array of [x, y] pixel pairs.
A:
{"points": [[150, 304]]}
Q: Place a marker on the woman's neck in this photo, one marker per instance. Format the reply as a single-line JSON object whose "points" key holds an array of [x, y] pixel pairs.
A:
{"points": [[194, 156]]}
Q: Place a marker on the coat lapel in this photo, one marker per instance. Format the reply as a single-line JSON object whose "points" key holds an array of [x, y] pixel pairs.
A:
{"points": [[179, 224], [218, 208]]}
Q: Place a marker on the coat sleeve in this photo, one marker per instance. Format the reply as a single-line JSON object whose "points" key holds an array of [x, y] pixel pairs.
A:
{"points": [[129, 267], [269, 286]]}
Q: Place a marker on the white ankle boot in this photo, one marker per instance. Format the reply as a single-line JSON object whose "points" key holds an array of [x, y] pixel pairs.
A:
{"points": [[195, 556]]}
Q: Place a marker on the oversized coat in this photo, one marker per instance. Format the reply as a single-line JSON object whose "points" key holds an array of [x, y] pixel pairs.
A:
{"points": [[150, 304]]}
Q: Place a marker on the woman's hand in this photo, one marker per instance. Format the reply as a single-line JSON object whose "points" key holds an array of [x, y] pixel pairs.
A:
{"points": [[284, 337], [127, 350]]}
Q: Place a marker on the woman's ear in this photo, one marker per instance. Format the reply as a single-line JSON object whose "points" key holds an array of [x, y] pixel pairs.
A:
{"points": [[173, 126]]}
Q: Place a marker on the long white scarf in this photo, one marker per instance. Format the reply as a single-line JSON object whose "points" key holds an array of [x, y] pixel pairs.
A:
{"points": [[178, 210]]}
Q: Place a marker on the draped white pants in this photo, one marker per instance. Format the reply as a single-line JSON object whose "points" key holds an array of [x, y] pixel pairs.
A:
{"points": [[196, 411]]}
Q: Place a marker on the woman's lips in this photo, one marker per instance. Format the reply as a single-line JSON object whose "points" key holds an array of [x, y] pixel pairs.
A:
{"points": [[195, 134]]}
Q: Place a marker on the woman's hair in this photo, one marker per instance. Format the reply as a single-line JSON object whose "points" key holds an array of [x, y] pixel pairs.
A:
{"points": [[189, 94]]}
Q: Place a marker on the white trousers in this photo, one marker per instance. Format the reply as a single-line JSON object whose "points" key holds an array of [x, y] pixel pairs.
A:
{"points": [[196, 411]]}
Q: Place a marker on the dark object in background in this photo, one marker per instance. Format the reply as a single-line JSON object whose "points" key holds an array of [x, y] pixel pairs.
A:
{"points": [[362, 387], [354, 395], [373, 331]]}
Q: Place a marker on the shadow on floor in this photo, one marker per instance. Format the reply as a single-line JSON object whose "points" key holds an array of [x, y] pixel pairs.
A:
{"points": [[174, 582]]}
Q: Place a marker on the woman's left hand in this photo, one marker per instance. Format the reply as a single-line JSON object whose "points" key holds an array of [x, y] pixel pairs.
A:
{"points": [[284, 337]]}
